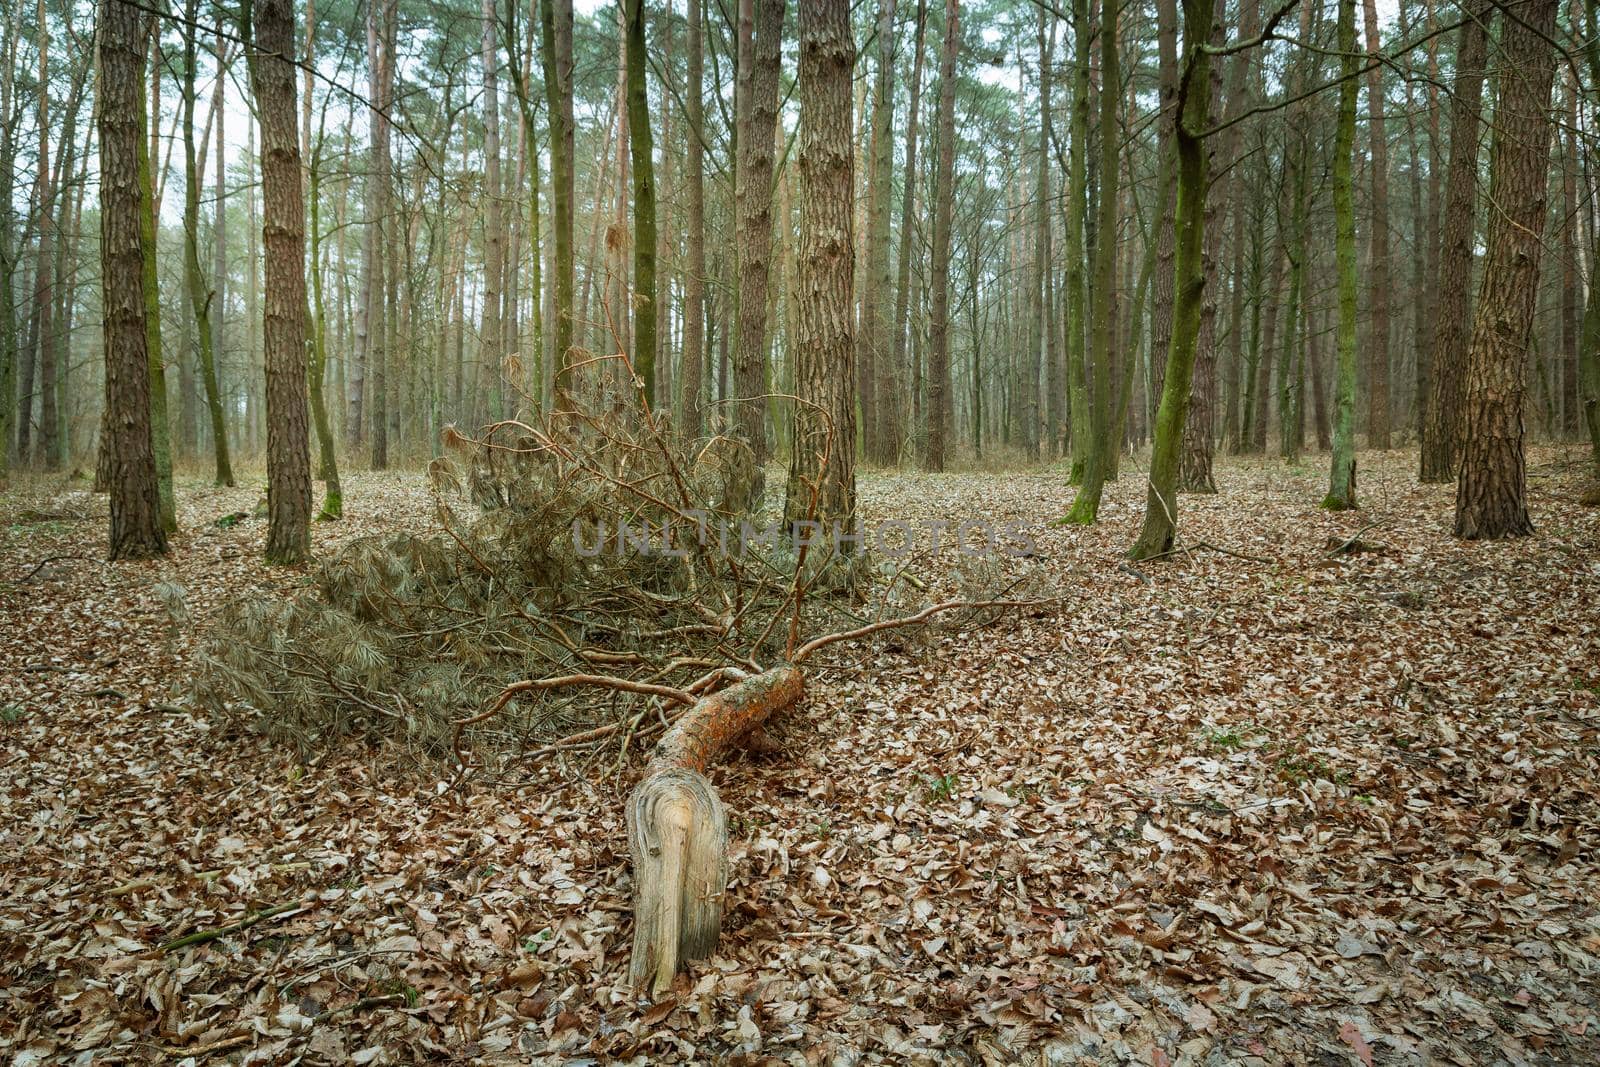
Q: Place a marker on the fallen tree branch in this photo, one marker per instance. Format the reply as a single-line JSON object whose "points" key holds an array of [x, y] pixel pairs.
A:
{"points": [[43, 563], [1198, 545], [1353, 541], [605, 681], [817, 643], [677, 830], [202, 936]]}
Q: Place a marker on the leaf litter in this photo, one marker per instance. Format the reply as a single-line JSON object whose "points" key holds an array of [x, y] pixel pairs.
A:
{"points": [[1308, 807]]}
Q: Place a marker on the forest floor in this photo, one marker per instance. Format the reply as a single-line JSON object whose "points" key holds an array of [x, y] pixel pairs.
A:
{"points": [[1296, 808]]}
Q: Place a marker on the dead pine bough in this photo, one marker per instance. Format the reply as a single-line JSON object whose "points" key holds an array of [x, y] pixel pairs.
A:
{"points": [[677, 829], [603, 590]]}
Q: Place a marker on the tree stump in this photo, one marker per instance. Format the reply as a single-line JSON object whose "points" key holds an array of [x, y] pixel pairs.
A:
{"points": [[677, 829]]}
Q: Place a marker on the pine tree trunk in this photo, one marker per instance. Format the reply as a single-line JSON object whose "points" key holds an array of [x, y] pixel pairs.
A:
{"points": [[822, 482], [876, 368], [44, 263], [1378, 262], [160, 433], [1441, 432], [760, 40], [201, 298], [903, 284], [272, 78], [382, 337], [1491, 491], [556, 28], [54, 357], [136, 531], [642, 149], [316, 371], [939, 268], [219, 264], [1589, 343], [485, 406], [1430, 259], [690, 384], [1571, 303], [8, 222], [1044, 258], [1076, 221], [1342, 475]]}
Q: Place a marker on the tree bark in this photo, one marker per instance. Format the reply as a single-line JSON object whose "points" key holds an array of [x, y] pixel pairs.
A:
{"points": [[1342, 475], [877, 368], [1491, 491], [642, 149], [556, 28], [219, 251], [760, 51], [1199, 431], [136, 531], [677, 831], [1161, 504], [272, 72], [902, 300], [8, 222], [490, 333], [44, 266], [160, 434], [316, 370], [939, 320], [201, 296], [1162, 293], [1441, 433], [1378, 404], [1103, 339], [822, 481], [691, 390]]}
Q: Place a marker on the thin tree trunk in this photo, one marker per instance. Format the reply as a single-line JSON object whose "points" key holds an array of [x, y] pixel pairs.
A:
{"points": [[556, 28], [1342, 475], [1378, 261], [902, 301], [694, 276], [381, 334], [485, 400], [1075, 223], [8, 224], [160, 432], [760, 38], [939, 322], [642, 150], [316, 371], [1161, 505], [1103, 329], [1441, 437], [1571, 301], [876, 369], [44, 269], [1199, 434], [201, 296], [272, 71], [219, 261]]}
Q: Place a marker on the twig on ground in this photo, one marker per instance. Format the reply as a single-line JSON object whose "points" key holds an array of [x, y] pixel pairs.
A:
{"points": [[1198, 545], [43, 563], [202, 936], [1353, 539]]}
